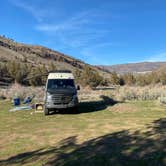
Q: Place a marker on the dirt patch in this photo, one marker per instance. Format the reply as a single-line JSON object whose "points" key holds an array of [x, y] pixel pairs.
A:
{"points": [[123, 108]]}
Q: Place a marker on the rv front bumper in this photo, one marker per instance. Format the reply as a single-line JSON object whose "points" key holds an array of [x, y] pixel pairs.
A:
{"points": [[60, 106], [52, 105]]}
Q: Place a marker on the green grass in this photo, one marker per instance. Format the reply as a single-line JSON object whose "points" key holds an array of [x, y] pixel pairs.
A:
{"points": [[130, 133]]}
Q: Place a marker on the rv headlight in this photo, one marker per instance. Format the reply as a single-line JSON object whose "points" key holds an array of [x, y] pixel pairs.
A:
{"points": [[75, 99], [49, 97]]}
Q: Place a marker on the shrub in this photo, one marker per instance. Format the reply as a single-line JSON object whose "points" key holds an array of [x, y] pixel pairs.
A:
{"points": [[37, 76], [22, 92], [17, 71], [115, 80], [140, 93], [2, 95], [129, 79], [162, 100], [90, 77], [163, 78]]}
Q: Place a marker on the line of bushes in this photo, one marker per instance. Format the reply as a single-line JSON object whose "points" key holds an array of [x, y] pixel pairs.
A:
{"points": [[19, 72], [128, 93], [152, 78]]}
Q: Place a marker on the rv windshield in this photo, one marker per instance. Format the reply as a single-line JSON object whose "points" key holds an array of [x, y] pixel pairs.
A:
{"points": [[60, 83]]}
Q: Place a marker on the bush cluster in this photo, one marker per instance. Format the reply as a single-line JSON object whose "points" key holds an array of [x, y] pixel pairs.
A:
{"points": [[17, 90], [24, 73], [28, 74], [162, 100], [140, 93], [89, 77], [152, 78]]}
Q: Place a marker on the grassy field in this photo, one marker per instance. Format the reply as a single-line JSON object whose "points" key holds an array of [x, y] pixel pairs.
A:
{"points": [[102, 133]]}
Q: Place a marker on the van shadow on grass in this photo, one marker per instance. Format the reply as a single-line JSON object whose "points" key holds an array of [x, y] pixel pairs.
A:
{"points": [[93, 106], [122, 148], [89, 106]]}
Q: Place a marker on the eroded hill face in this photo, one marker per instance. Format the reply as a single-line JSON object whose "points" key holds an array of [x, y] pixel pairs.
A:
{"points": [[36, 55], [16, 57]]}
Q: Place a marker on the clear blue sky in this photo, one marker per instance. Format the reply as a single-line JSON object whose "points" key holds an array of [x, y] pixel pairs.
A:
{"points": [[96, 31]]}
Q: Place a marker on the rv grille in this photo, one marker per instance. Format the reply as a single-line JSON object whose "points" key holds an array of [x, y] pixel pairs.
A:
{"points": [[61, 98]]}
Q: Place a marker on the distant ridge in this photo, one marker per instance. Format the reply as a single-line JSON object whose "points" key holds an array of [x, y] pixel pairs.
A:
{"points": [[142, 67]]}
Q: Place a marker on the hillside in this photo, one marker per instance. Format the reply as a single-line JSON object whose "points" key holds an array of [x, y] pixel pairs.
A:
{"points": [[37, 56], [134, 67]]}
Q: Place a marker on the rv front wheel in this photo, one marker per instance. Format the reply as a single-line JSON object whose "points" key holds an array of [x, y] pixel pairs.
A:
{"points": [[74, 110], [46, 111]]}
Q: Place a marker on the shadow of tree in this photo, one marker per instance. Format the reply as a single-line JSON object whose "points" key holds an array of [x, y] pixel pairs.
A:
{"points": [[122, 148]]}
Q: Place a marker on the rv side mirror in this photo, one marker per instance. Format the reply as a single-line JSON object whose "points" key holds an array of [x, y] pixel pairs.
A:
{"points": [[78, 87]]}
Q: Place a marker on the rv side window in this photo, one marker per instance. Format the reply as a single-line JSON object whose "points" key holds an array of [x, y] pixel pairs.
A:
{"points": [[60, 83]]}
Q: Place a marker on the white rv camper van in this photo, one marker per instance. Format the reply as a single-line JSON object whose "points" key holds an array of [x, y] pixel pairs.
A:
{"points": [[61, 92]]}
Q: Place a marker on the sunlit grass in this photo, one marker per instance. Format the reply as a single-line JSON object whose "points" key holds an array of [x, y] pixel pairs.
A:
{"points": [[25, 131]]}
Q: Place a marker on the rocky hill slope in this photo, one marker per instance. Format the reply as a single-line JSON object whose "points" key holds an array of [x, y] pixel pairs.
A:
{"points": [[36, 56]]}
